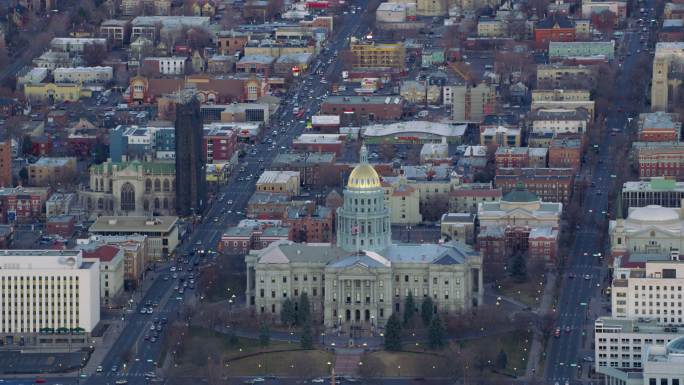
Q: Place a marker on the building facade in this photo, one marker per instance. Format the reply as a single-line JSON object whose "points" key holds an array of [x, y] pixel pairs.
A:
{"points": [[161, 232], [62, 290], [190, 163], [362, 280], [131, 188]]}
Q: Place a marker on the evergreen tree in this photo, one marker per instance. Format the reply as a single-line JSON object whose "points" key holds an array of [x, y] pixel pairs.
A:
{"points": [[306, 339], [501, 360], [436, 333], [288, 316], [303, 310], [393, 333], [264, 334], [427, 310], [519, 267], [409, 308]]}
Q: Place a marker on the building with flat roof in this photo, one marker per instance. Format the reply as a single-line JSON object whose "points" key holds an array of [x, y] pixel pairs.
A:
{"points": [[654, 159], [368, 54], [656, 191], [659, 126], [83, 75], [48, 171], [458, 227], [286, 182], [314, 168], [414, 132], [74, 45], [665, 81], [162, 232], [66, 282], [647, 265], [111, 259], [622, 346], [358, 110], [582, 50]]}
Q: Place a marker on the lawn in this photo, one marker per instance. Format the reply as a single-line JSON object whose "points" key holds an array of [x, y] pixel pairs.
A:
{"points": [[204, 343], [245, 357], [309, 363], [514, 344], [525, 292], [225, 278], [405, 364]]}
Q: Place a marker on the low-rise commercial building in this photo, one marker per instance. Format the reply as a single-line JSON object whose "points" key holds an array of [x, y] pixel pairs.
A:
{"points": [[282, 182], [83, 75], [582, 50], [161, 232], [360, 110]]}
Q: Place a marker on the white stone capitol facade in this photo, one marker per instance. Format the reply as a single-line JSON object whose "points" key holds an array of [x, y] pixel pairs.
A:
{"points": [[362, 279]]}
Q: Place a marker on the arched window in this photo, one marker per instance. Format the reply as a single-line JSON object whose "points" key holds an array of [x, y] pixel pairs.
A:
{"points": [[100, 204], [166, 185], [148, 185], [165, 203], [157, 185], [127, 197], [156, 203]]}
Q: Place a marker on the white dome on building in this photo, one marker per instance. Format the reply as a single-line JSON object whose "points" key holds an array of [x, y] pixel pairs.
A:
{"points": [[654, 213]]}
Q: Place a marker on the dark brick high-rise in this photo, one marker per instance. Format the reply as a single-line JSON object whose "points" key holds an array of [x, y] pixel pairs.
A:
{"points": [[190, 166]]}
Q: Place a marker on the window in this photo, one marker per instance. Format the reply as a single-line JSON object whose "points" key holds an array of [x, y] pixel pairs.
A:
{"points": [[127, 197]]}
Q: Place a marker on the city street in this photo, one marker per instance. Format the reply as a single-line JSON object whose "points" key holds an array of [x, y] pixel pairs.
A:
{"points": [[308, 95], [563, 358]]}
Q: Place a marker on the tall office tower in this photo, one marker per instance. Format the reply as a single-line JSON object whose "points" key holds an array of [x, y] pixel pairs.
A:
{"points": [[190, 163]]}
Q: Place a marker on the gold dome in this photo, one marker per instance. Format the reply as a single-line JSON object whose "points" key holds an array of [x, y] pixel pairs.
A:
{"points": [[364, 176]]}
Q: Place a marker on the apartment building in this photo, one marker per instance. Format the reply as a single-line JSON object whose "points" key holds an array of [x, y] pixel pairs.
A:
{"points": [[369, 54]]}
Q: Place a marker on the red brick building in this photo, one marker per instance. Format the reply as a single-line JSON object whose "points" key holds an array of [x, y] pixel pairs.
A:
{"points": [[549, 184], [359, 110], [219, 143], [512, 157], [318, 143], [659, 159], [543, 244], [659, 127], [6, 163], [241, 239], [41, 145], [556, 27], [22, 204], [316, 226], [565, 153], [62, 225]]}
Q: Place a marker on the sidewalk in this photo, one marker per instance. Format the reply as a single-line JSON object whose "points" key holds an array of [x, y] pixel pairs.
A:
{"points": [[536, 346]]}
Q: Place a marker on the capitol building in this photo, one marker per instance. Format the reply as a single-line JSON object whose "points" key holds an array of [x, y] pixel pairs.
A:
{"points": [[362, 279]]}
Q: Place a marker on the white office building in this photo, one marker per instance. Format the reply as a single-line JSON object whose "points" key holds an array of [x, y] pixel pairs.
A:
{"points": [[648, 286], [46, 292]]}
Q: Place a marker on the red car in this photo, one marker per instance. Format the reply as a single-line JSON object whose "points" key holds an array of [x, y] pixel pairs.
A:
{"points": [[39, 381]]}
